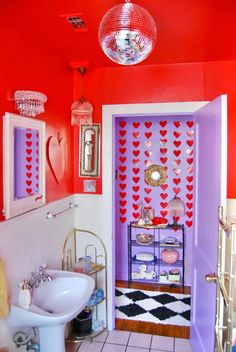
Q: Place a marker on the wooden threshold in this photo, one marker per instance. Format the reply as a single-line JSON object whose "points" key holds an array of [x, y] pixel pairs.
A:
{"points": [[152, 328]]}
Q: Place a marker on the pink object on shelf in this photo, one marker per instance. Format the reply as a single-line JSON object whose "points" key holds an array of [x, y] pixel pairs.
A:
{"points": [[169, 256]]}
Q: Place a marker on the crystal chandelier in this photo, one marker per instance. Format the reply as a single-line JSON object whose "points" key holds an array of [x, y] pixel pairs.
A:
{"points": [[29, 103], [127, 33], [81, 110]]}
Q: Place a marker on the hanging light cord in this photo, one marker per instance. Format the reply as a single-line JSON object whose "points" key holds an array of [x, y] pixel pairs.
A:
{"points": [[82, 71]]}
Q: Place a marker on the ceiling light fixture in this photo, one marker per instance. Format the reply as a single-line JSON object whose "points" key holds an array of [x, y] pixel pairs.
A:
{"points": [[81, 110], [29, 103], [127, 33]]}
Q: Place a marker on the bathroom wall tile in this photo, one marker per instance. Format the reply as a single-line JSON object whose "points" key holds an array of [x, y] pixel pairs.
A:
{"points": [[182, 345], [163, 343], [110, 347], [140, 340], [88, 346], [102, 337], [118, 337], [136, 349]]}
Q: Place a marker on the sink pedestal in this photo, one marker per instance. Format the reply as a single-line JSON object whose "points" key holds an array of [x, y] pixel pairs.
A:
{"points": [[52, 338]]}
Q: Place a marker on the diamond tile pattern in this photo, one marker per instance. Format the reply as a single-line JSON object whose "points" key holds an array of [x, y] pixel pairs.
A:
{"points": [[153, 306]]}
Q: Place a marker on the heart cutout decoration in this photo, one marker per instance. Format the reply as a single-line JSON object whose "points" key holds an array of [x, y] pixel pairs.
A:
{"points": [[148, 144], [55, 155], [122, 124], [163, 141]]}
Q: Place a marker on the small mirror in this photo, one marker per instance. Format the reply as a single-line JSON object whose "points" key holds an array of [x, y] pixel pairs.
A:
{"points": [[89, 151], [24, 164], [155, 175]]}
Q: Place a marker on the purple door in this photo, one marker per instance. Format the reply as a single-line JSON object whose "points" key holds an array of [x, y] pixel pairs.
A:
{"points": [[210, 192]]}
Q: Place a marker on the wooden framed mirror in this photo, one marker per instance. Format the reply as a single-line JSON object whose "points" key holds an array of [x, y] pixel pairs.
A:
{"points": [[23, 164], [155, 175]]}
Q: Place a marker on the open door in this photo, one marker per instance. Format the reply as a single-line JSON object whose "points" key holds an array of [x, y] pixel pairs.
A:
{"points": [[210, 192]]}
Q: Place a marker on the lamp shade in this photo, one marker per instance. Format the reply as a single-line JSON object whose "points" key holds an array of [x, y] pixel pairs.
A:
{"points": [[127, 33], [81, 113], [176, 208]]}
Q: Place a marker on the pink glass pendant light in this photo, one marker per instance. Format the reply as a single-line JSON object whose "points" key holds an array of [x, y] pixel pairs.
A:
{"points": [[127, 33], [176, 208]]}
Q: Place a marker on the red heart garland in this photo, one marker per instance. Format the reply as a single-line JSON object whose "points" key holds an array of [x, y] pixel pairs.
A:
{"points": [[189, 205], [28, 159], [123, 211], [189, 214], [189, 124], [136, 170], [177, 134], [28, 182], [148, 124], [123, 203], [189, 196], [163, 204], [122, 177], [28, 143], [28, 167], [122, 150], [177, 124], [136, 144], [122, 141], [189, 187], [177, 143], [148, 190], [176, 180], [176, 190], [189, 178], [163, 123], [189, 160], [135, 161], [122, 219], [122, 186], [122, 124], [122, 159], [163, 195], [163, 133], [163, 213], [163, 160], [136, 215], [189, 223], [135, 197], [148, 153], [136, 135], [163, 141], [135, 206], [122, 133], [148, 199], [148, 134], [136, 152], [163, 150], [189, 143], [136, 179], [28, 174], [28, 135], [122, 168], [177, 152], [136, 124], [123, 195], [164, 187], [135, 188]]}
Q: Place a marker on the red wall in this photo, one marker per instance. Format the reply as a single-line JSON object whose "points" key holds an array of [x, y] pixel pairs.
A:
{"points": [[25, 64], [166, 83]]}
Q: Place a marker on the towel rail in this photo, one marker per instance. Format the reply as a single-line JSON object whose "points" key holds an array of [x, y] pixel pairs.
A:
{"points": [[50, 215]]}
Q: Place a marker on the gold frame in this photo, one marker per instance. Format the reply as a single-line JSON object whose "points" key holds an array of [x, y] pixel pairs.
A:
{"points": [[148, 173]]}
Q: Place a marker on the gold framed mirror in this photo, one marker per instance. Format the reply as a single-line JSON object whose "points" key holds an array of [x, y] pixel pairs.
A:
{"points": [[155, 175], [89, 150]]}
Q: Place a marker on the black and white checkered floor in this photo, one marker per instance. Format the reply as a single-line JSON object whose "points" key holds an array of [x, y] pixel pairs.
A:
{"points": [[152, 306]]}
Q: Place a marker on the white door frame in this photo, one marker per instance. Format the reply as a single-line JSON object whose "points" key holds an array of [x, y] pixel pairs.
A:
{"points": [[108, 116]]}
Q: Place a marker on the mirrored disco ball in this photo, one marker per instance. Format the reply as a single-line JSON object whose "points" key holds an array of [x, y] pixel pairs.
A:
{"points": [[127, 34]]}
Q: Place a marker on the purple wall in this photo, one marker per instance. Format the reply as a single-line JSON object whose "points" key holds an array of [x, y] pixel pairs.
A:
{"points": [[145, 140]]}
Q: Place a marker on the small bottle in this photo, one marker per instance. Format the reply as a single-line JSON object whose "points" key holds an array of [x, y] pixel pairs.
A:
{"points": [[24, 298], [87, 264]]}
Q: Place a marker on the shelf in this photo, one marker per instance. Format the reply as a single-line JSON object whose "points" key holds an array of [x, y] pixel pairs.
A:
{"points": [[159, 227], [157, 244], [157, 261]]}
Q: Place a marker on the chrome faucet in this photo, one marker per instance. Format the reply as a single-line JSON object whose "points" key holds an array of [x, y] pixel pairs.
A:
{"points": [[37, 278]]}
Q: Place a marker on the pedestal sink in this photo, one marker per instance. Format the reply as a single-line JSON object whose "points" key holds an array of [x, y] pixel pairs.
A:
{"points": [[54, 304]]}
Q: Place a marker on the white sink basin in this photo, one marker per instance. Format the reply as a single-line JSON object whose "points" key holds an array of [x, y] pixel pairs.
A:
{"points": [[54, 304]]}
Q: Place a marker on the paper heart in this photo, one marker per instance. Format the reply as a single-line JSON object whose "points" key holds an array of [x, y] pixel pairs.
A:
{"points": [[29, 190], [177, 152], [190, 133], [148, 153], [147, 162], [136, 179], [122, 177], [122, 150], [177, 171], [177, 124], [122, 168], [148, 134], [123, 203], [163, 123], [37, 160], [123, 211], [189, 142], [176, 180], [176, 190], [37, 151], [163, 195], [135, 206], [148, 199], [37, 168], [28, 182], [122, 133], [177, 134], [163, 204], [122, 219], [189, 124], [136, 215], [122, 124], [136, 152], [189, 214], [148, 144], [136, 170], [189, 178], [135, 188], [163, 160], [136, 144], [164, 187], [136, 135], [136, 124], [136, 161], [189, 160], [28, 135], [163, 213], [122, 194], [28, 159], [28, 174], [28, 151], [122, 141], [177, 143], [177, 162], [163, 133], [56, 156], [122, 186], [189, 196], [28, 167], [37, 177], [147, 124], [147, 190], [189, 151], [28, 143], [163, 150], [189, 223], [136, 197], [189, 188], [163, 141], [122, 159], [189, 205], [190, 170]]}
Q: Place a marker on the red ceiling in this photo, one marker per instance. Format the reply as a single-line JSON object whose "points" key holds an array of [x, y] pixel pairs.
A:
{"points": [[188, 30]]}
